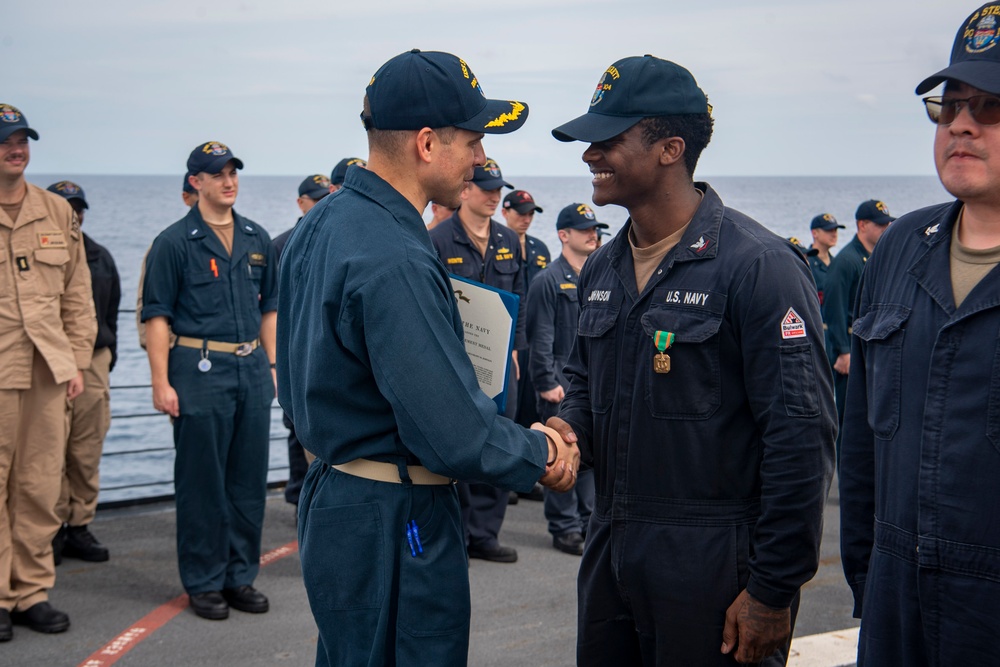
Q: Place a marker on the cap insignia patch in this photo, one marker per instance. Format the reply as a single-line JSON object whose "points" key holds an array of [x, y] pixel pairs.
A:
{"points": [[983, 31], [603, 86], [215, 148], [9, 114]]}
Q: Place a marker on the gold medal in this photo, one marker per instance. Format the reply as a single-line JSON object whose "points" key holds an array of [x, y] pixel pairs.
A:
{"points": [[661, 363], [663, 340]]}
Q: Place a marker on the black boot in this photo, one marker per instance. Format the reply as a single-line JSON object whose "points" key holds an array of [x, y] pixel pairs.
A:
{"points": [[81, 543]]}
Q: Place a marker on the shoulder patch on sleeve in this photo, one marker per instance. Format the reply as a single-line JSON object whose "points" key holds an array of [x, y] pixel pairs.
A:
{"points": [[792, 326]]}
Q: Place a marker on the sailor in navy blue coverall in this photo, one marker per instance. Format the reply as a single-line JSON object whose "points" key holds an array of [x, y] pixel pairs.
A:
{"points": [[920, 457], [700, 394], [374, 374], [220, 301]]}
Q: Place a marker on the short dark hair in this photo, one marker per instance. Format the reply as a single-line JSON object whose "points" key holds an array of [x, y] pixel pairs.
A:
{"points": [[392, 141], [694, 128]]}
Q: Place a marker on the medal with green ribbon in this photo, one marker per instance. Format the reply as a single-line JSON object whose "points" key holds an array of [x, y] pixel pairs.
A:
{"points": [[663, 340]]}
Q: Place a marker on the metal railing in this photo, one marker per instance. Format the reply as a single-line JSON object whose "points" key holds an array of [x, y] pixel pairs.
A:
{"points": [[161, 487]]}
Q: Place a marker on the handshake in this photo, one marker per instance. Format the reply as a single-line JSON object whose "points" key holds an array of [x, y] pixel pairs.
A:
{"points": [[563, 460]]}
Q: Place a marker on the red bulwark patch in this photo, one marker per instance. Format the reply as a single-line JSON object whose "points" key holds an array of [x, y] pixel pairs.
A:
{"points": [[792, 325]]}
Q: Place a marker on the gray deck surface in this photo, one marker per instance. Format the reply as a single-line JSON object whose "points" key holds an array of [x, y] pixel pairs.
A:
{"points": [[523, 614]]}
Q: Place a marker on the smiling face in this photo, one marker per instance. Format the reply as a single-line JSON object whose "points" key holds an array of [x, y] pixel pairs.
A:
{"points": [[14, 155], [624, 168], [459, 153], [479, 202], [967, 154]]}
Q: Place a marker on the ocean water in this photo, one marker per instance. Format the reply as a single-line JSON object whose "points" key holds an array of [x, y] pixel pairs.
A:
{"points": [[127, 212]]}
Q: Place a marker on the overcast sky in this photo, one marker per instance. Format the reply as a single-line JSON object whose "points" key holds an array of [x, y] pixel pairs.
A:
{"points": [[798, 88]]}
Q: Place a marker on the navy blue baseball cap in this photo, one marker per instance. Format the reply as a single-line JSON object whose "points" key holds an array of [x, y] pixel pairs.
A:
{"points": [[632, 89], [975, 56], [12, 120], [578, 216], [188, 188], [69, 190], [521, 201], [340, 171], [825, 221], [488, 176], [210, 157], [874, 210], [420, 89], [315, 187]]}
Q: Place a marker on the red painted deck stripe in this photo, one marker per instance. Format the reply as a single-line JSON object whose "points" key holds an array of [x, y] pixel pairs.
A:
{"points": [[110, 653]]}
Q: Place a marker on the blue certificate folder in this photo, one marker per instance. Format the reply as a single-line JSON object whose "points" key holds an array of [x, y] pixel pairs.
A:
{"points": [[465, 291]]}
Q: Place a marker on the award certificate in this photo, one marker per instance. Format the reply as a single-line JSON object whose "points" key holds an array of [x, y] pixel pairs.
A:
{"points": [[489, 316]]}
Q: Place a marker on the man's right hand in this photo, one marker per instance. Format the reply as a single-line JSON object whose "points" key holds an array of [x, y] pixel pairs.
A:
{"points": [[561, 475], [165, 400], [553, 395], [843, 363]]}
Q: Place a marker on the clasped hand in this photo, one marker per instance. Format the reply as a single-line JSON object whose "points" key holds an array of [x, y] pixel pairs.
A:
{"points": [[560, 474]]}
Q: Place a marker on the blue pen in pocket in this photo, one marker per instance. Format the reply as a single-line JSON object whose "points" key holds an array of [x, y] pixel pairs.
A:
{"points": [[416, 537], [413, 538]]}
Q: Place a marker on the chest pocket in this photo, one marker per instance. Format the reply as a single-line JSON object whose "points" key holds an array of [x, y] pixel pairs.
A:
{"points": [[882, 329], [597, 326], [505, 270], [204, 293], [693, 387], [51, 266]]}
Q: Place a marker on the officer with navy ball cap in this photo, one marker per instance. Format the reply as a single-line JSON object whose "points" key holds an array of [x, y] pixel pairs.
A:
{"points": [[374, 374]]}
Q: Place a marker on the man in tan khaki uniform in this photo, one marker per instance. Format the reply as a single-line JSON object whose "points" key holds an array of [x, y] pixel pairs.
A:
{"points": [[47, 332]]}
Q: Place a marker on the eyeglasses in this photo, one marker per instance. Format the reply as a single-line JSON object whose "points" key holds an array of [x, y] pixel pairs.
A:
{"points": [[984, 109]]}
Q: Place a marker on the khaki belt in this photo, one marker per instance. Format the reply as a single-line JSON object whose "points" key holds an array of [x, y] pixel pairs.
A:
{"points": [[239, 349], [388, 472]]}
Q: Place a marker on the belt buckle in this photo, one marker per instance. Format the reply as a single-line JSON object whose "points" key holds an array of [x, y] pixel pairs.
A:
{"points": [[243, 349]]}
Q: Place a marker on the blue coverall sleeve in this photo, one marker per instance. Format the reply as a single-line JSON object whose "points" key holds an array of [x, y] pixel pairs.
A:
{"points": [[403, 320], [856, 474], [836, 307], [163, 280], [541, 321], [269, 281], [790, 390]]}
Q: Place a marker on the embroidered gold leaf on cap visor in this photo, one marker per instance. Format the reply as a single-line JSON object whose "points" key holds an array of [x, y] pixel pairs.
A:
{"points": [[504, 118]]}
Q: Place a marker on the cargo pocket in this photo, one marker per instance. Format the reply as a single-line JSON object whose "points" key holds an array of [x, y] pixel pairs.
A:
{"points": [[798, 380], [596, 326], [434, 585], [693, 387], [50, 264], [882, 329], [342, 557]]}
